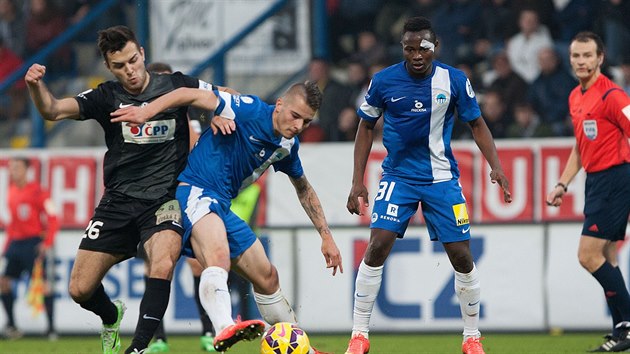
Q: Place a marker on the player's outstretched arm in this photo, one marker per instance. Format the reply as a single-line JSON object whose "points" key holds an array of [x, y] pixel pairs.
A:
{"points": [[574, 164], [313, 208], [485, 142], [358, 196], [48, 106], [183, 96]]}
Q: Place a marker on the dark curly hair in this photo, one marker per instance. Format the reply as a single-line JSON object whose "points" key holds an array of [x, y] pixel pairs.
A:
{"points": [[417, 24]]}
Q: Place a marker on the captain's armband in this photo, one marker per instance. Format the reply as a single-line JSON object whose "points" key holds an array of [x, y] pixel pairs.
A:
{"points": [[220, 104]]}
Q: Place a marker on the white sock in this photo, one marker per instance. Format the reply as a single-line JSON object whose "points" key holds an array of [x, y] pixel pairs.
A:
{"points": [[215, 297], [275, 308], [468, 290], [367, 285]]}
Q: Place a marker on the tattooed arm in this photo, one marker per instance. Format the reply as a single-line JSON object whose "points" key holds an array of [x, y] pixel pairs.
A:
{"points": [[313, 208]]}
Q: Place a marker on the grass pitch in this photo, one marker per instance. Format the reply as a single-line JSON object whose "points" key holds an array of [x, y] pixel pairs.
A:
{"points": [[380, 344]]}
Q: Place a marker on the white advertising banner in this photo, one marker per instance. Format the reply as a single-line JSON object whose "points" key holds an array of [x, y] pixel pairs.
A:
{"points": [[184, 33], [417, 293], [528, 283], [576, 300]]}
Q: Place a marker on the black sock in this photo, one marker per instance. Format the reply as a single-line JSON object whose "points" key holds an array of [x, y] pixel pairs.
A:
{"points": [[614, 312], [206, 324], [152, 308], [7, 302], [50, 312], [159, 331], [615, 290], [102, 306]]}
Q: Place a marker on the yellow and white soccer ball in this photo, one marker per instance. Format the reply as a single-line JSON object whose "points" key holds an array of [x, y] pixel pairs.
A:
{"points": [[285, 338]]}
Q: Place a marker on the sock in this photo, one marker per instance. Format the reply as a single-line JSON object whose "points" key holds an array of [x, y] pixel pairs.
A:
{"points": [[275, 308], [468, 290], [367, 286], [614, 312], [50, 314], [215, 297], [102, 306], [7, 302], [152, 307], [159, 331], [615, 289], [206, 324]]}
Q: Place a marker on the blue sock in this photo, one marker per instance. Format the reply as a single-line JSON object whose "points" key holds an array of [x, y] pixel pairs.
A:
{"points": [[617, 297]]}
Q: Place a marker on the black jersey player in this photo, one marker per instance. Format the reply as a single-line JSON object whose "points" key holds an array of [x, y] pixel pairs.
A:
{"points": [[141, 166]]}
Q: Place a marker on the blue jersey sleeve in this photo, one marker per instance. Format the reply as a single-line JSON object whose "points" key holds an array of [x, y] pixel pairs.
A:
{"points": [[292, 165], [465, 100], [372, 107], [241, 107]]}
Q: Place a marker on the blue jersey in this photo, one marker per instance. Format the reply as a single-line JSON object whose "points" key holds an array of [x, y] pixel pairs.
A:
{"points": [[418, 119], [226, 163]]}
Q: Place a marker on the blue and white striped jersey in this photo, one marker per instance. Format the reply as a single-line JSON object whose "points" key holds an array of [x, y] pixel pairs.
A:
{"points": [[418, 119], [227, 163]]}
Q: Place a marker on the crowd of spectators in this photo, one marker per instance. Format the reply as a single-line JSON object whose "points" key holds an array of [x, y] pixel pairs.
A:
{"points": [[515, 53], [26, 27]]}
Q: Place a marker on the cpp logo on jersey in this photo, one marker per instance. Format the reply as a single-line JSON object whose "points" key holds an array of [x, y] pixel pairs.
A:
{"points": [[590, 129], [440, 98], [153, 132]]}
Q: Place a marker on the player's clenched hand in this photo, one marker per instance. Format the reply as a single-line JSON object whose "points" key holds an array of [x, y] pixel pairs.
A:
{"points": [[554, 198], [224, 125], [497, 176], [358, 199], [35, 73], [135, 116], [331, 254]]}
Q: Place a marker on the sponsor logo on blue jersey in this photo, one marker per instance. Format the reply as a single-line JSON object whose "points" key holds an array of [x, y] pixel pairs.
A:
{"points": [[392, 210], [418, 107]]}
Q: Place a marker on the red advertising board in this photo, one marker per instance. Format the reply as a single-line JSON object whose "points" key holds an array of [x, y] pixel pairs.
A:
{"points": [[518, 165], [553, 161], [72, 188]]}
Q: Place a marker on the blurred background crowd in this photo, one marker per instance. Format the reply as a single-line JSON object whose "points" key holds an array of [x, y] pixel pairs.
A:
{"points": [[515, 53]]}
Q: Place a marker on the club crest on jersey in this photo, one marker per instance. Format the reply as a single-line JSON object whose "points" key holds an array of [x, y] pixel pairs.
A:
{"points": [[590, 129], [152, 132], [440, 98]]}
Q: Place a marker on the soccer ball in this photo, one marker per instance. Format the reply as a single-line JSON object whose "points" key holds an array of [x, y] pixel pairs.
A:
{"points": [[284, 338]]}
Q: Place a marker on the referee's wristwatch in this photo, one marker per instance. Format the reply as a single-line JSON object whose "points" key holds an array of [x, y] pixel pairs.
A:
{"points": [[562, 185]]}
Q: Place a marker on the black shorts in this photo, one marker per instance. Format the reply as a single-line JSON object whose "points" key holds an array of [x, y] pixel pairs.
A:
{"points": [[121, 223], [20, 257], [607, 203]]}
